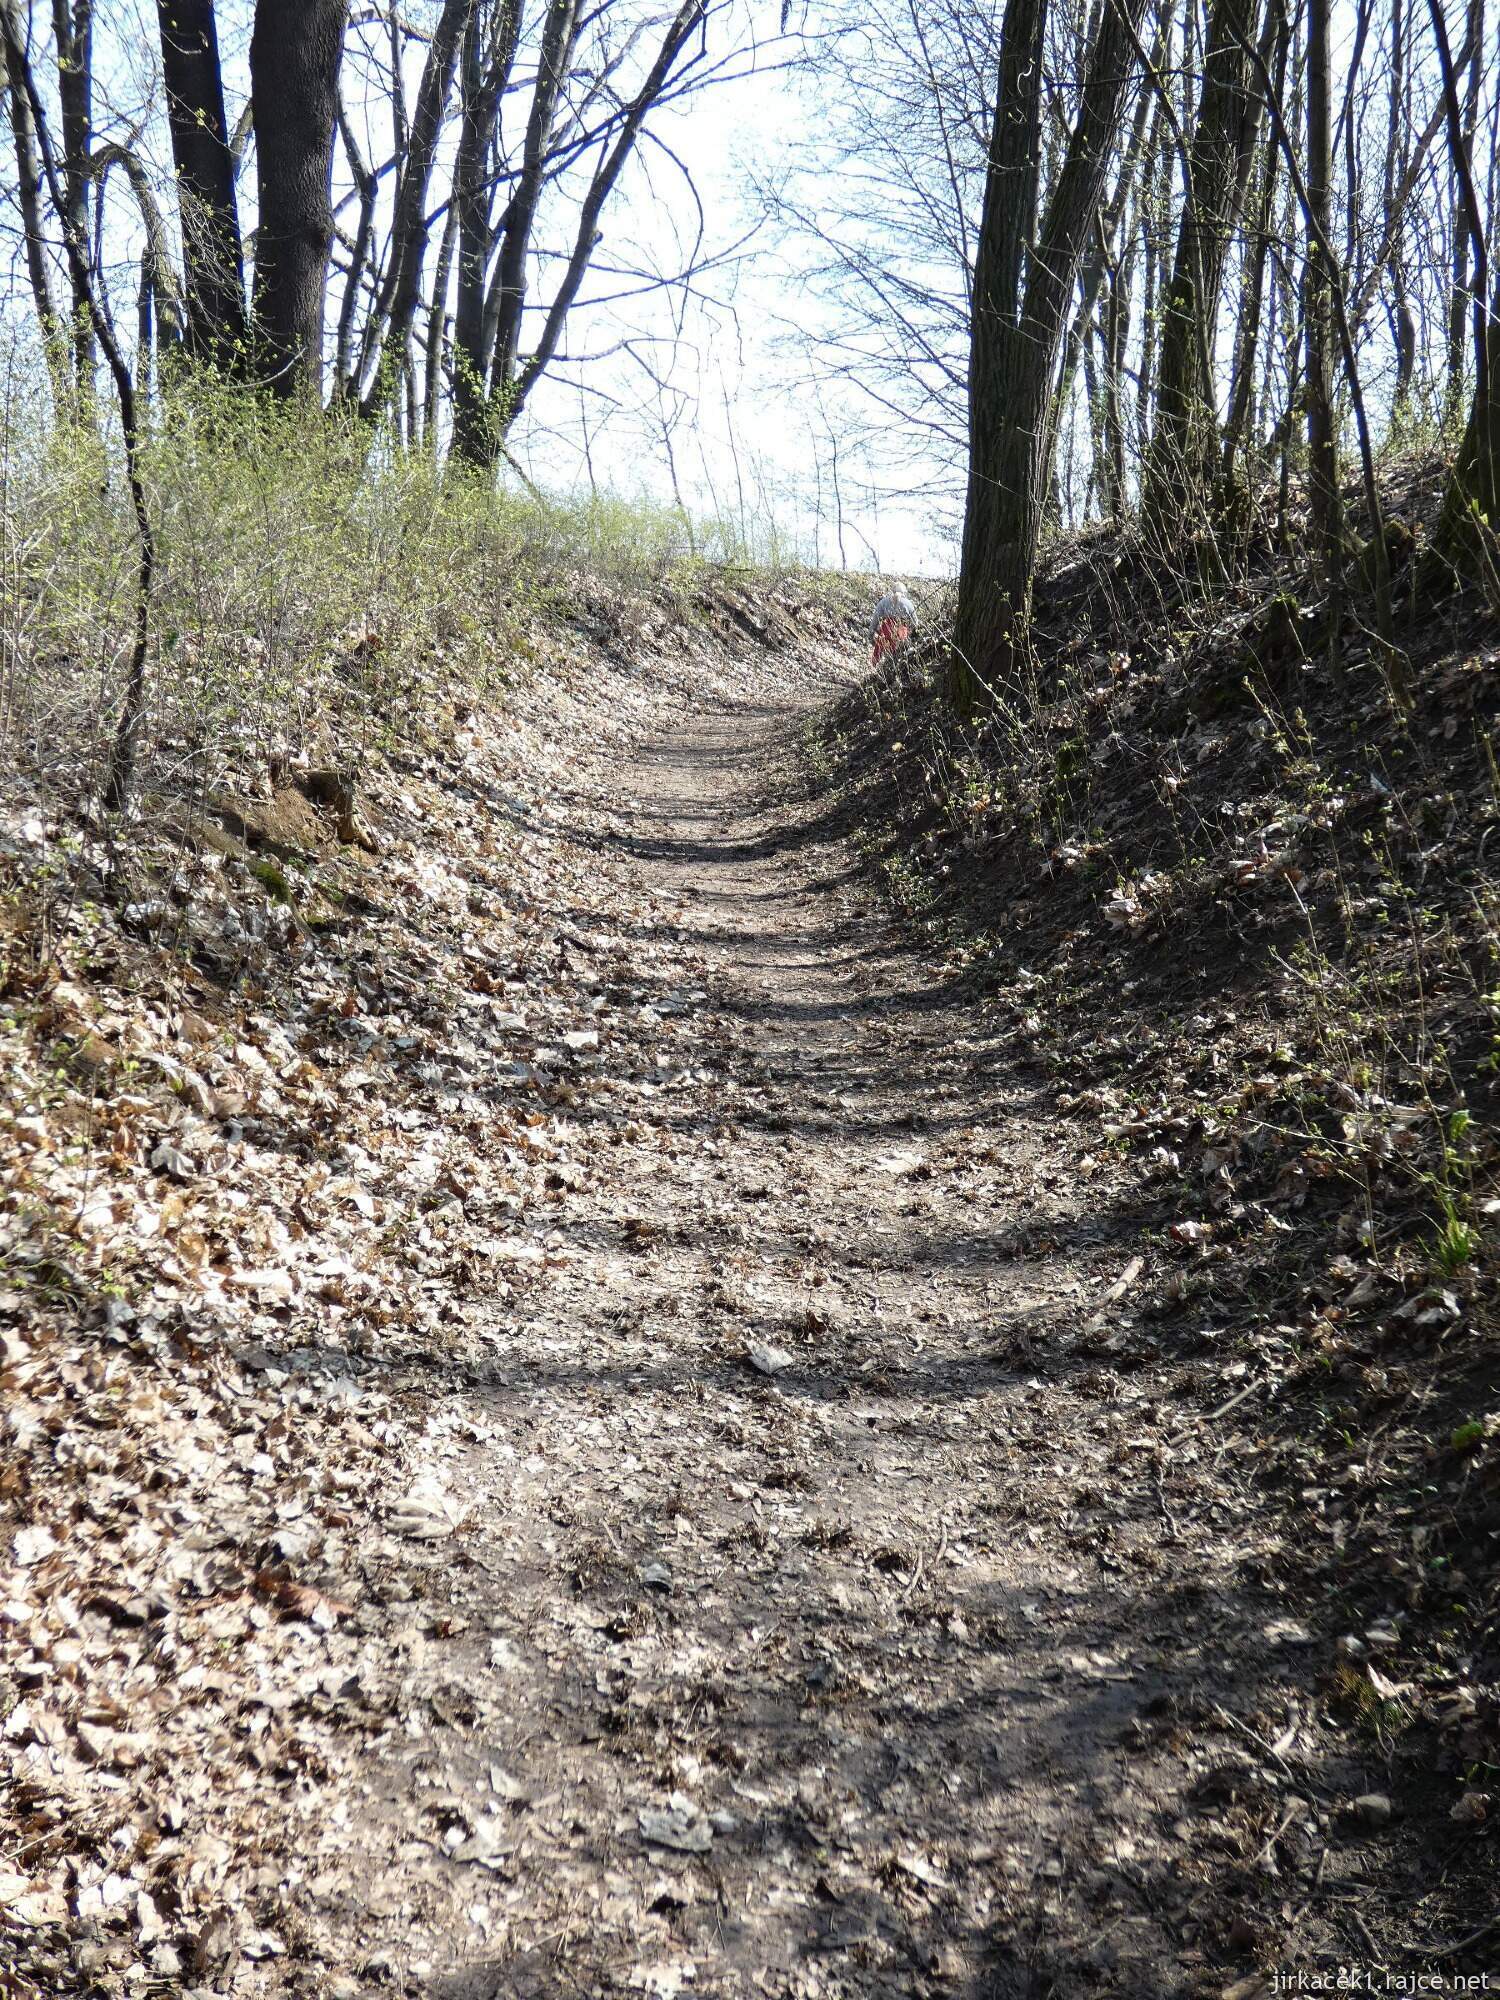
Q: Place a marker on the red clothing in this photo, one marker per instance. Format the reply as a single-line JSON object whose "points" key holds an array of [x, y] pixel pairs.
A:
{"points": [[890, 633]]}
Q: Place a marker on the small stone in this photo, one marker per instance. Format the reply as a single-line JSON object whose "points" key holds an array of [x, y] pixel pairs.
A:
{"points": [[1373, 1809]]}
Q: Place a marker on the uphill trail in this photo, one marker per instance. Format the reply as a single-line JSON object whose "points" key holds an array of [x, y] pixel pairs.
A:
{"points": [[828, 1627]]}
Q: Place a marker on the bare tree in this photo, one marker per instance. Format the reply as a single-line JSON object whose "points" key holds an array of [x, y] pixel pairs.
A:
{"points": [[75, 245], [73, 31], [1023, 280], [1318, 305], [389, 326], [597, 136], [208, 205], [29, 200], [1471, 506], [1182, 471]]}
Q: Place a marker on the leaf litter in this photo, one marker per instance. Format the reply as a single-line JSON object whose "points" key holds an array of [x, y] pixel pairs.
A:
{"points": [[413, 1577]]}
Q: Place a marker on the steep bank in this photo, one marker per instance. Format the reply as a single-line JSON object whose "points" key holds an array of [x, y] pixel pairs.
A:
{"points": [[1235, 912]]}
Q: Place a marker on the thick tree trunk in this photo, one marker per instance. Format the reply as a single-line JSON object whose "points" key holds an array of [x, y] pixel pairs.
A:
{"points": [[213, 257], [294, 65], [1466, 533], [1020, 313], [1182, 463], [1007, 466]]}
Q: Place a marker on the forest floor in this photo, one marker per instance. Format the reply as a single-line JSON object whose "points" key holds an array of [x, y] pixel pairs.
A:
{"points": [[801, 1574]]}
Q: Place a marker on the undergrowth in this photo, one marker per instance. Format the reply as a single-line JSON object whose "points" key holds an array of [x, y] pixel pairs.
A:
{"points": [[311, 583]]}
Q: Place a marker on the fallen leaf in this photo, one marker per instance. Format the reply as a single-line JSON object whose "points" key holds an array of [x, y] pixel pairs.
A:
{"points": [[301, 1600], [679, 1825]]}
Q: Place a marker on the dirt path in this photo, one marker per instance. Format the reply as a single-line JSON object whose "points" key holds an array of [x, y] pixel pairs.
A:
{"points": [[635, 1444], [824, 1632]]}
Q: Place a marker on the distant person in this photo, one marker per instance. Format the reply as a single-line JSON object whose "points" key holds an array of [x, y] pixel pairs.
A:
{"points": [[891, 624]]}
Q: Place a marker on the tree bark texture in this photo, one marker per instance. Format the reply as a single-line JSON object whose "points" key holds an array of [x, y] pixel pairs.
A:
{"points": [[294, 63], [1183, 459], [1021, 304], [213, 257]]}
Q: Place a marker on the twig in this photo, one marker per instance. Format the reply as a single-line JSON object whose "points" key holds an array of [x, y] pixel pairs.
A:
{"points": [[916, 1575], [1316, 1883], [1267, 1749], [1368, 1935], [1445, 1946], [1286, 1819], [1164, 1510], [1222, 1411]]}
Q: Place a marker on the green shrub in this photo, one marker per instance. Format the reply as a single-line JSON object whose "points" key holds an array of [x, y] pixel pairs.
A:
{"points": [[311, 581]]}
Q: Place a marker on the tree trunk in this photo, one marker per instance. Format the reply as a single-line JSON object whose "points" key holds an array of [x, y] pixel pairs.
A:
{"points": [[73, 26], [367, 187], [213, 256], [1007, 469], [395, 310], [38, 270], [1240, 422], [489, 52], [1465, 535], [1184, 446], [294, 64], [437, 328], [1116, 339], [81, 271], [494, 381], [509, 297], [1017, 333], [1461, 293], [1318, 305], [1102, 263], [1402, 324]]}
